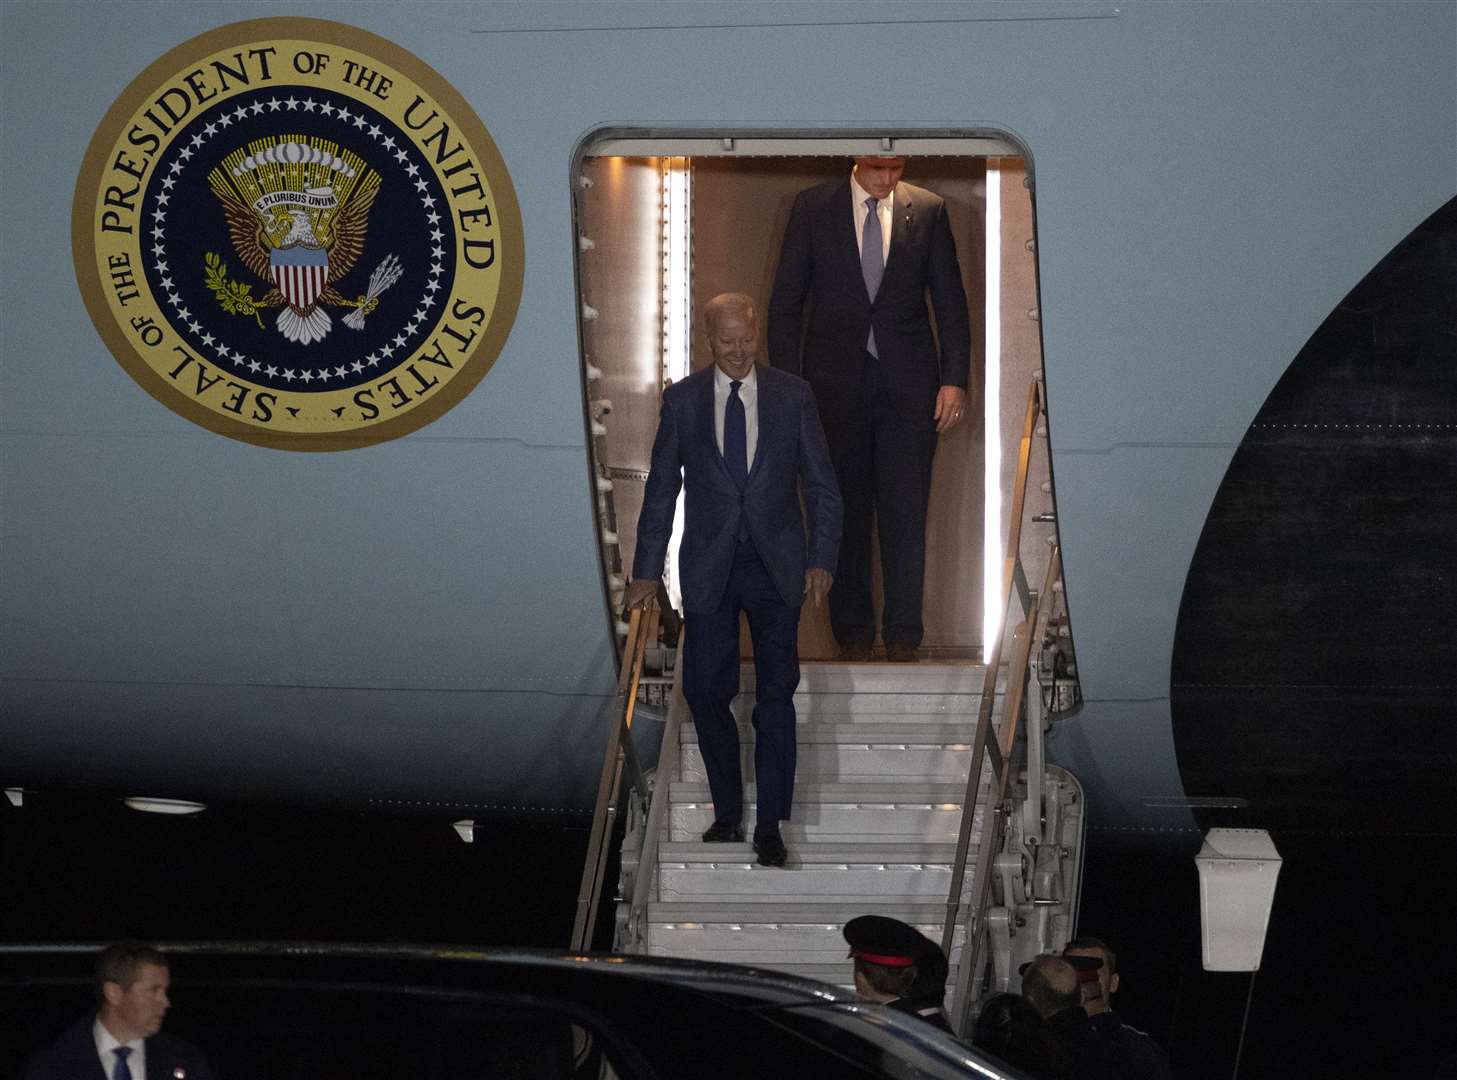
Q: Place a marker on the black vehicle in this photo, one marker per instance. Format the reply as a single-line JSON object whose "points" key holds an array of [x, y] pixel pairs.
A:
{"points": [[319, 1011]]}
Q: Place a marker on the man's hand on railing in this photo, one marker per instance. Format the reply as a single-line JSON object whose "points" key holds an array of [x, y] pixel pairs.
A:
{"points": [[817, 584], [641, 593]]}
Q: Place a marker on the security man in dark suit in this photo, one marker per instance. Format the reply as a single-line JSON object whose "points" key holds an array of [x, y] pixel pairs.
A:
{"points": [[1097, 966], [861, 255], [742, 442], [1097, 1048], [123, 1039]]}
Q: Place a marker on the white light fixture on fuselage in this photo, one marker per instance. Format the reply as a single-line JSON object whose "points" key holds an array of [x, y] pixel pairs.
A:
{"points": [[150, 805]]}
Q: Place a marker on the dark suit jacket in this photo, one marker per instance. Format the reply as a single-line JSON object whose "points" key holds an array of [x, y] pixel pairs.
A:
{"points": [[73, 1057], [790, 451], [819, 266]]}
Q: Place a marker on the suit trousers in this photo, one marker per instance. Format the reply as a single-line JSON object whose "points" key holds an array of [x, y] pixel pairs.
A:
{"points": [[883, 464], [711, 681]]}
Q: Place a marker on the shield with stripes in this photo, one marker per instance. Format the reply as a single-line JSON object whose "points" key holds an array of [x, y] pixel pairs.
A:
{"points": [[300, 271]]}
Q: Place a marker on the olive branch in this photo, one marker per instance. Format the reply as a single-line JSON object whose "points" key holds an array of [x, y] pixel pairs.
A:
{"points": [[236, 297]]}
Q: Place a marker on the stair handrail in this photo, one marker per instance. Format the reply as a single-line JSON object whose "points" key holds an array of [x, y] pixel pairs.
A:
{"points": [[621, 755], [985, 744], [658, 804]]}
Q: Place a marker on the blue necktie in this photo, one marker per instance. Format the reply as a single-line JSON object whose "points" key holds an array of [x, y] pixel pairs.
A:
{"points": [[736, 437], [123, 1070], [736, 447], [872, 260]]}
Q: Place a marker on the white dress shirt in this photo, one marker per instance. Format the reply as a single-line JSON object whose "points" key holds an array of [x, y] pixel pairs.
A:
{"points": [[106, 1044], [749, 395], [884, 210]]}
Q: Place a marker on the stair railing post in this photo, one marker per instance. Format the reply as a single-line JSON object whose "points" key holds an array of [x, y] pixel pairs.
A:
{"points": [[658, 806], [619, 751], [971, 946], [984, 745], [981, 744]]}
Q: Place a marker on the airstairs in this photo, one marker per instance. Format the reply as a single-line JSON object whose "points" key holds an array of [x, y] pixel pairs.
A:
{"points": [[884, 752], [886, 817]]}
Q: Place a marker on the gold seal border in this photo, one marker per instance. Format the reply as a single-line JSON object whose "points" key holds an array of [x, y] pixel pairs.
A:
{"points": [[253, 31]]}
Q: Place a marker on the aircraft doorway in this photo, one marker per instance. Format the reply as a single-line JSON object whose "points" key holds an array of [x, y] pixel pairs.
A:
{"points": [[659, 234]]}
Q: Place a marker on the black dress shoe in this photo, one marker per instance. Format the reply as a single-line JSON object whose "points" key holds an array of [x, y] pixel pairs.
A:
{"points": [[771, 850], [901, 654], [858, 654], [723, 832]]}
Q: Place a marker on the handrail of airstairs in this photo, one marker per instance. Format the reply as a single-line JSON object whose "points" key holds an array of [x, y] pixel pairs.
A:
{"points": [[657, 808], [989, 744], [621, 756]]}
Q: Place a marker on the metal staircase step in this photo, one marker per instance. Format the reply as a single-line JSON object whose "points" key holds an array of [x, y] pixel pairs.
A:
{"points": [[834, 677], [898, 732], [809, 792], [805, 939], [883, 751], [883, 708], [829, 689], [787, 945], [688, 871], [861, 752], [837, 811], [836, 912], [695, 851]]}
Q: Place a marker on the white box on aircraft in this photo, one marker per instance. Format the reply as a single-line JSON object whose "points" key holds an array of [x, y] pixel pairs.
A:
{"points": [[1238, 869]]}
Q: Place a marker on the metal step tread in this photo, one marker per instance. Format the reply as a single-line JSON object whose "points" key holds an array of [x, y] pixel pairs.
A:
{"points": [[833, 677], [895, 791], [787, 901], [842, 974], [915, 852], [881, 735], [822, 911]]}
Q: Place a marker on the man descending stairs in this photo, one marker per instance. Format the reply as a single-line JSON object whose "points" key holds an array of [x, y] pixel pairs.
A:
{"points": [[883, 752]]}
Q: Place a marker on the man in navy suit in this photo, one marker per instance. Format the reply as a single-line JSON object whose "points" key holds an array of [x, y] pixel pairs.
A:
{"points": [[123, 1039], [743, 442], [862, 254]]}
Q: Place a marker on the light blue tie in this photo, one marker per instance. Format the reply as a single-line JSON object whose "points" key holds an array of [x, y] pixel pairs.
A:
{"points": [[123, 1071], [872, 260]]}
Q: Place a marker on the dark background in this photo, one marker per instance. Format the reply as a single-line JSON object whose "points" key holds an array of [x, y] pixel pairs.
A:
{"points": [[1315, 674]]}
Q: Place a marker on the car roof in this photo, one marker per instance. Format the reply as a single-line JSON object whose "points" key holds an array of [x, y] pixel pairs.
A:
{"points": [[766, 986]]}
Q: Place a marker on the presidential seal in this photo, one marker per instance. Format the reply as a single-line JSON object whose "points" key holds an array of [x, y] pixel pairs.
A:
{"points": [[296, 234]]}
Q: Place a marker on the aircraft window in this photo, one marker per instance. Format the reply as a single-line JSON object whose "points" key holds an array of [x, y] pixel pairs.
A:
{"points": [[667, 220]]}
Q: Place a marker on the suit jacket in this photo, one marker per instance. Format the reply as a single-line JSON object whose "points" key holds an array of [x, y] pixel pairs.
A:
{"points": [[819, 266], [72, 1056], [790, 452]]}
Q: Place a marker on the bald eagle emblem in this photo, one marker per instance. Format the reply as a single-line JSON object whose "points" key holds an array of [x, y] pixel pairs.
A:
{"points": [[297, 211]]}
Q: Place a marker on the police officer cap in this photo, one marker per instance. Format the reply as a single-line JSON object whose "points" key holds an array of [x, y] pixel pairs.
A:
{"points": [[888, 942], [1087, 967]]}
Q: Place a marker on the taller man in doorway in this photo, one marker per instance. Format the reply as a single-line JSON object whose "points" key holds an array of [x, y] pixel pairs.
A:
{"points": [[743, 442], [862, 254]]}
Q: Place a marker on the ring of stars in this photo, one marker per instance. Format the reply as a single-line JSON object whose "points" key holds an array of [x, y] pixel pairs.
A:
{"points": [[306, 376]]}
